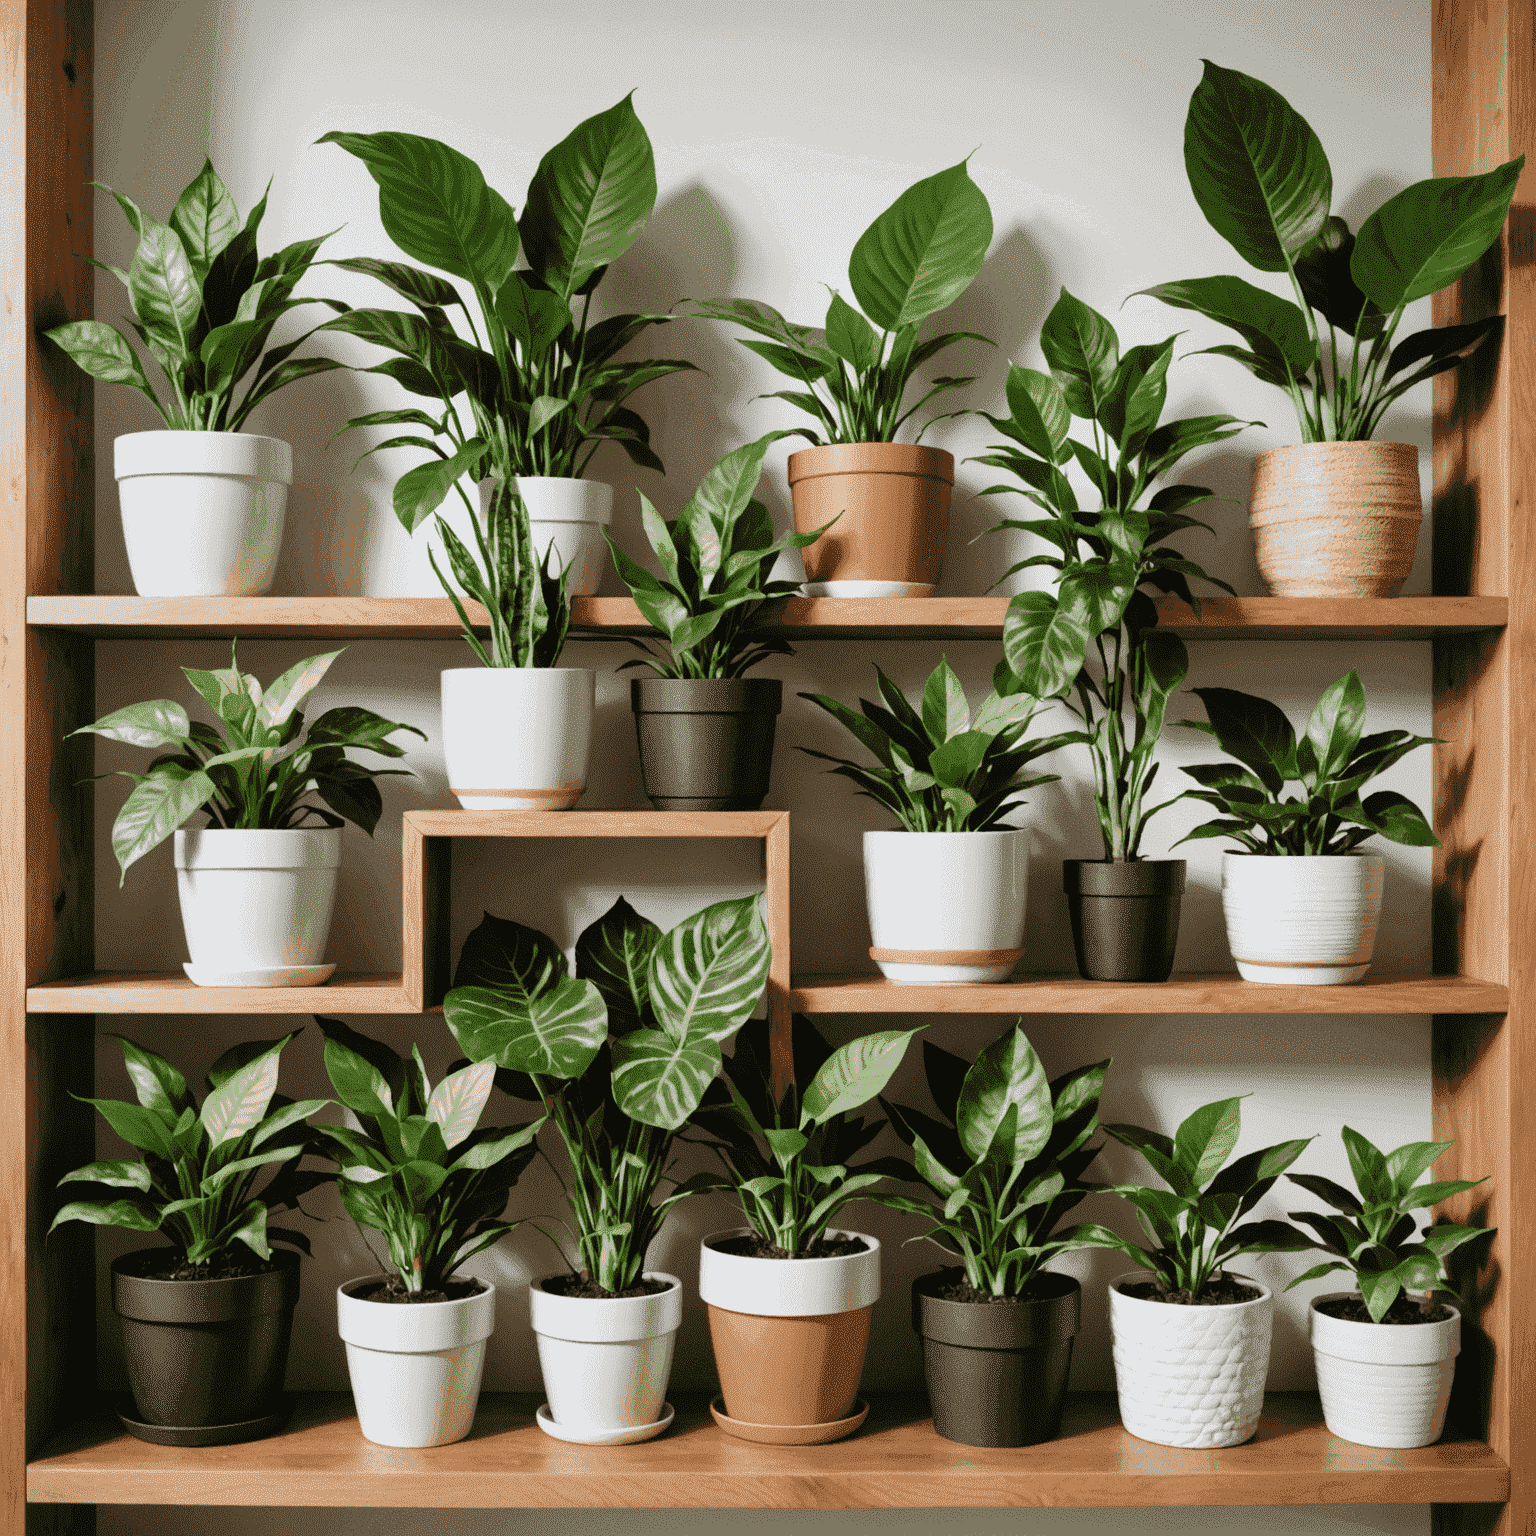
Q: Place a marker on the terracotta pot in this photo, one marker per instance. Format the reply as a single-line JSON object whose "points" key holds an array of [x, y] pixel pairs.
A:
{"points": [[894, 500], [1336, 519]]}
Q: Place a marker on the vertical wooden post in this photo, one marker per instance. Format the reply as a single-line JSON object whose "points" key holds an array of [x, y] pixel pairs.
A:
{"points": [[781, 1050]]}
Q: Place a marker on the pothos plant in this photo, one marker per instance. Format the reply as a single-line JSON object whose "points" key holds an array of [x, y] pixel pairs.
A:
{"points": [[853, 374], [1263, 182], [620, 1054], [255, 772], [1094, 641]]}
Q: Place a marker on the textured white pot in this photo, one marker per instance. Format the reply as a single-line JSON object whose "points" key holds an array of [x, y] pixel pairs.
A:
{"points": [[1384, 1385], [256, 906], [789, 1287], [606, 1362], [946, 906], [517, 738], [1308, 921], [1190, 1376], [202, 511], [415, 1370], [570, 515]]}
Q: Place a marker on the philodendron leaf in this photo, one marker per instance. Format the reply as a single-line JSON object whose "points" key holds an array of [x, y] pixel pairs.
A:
{"points": [[206, 219], [1204, 1141], [1007, 1075], [160, 804], [293, 687], [101, 351], [853, 1075], [157, 723], [1083, 351], [659, 1079], [1039, 411], [614, 953], [707, 974], [945, 711], [240, 1102], [1044, 643], [1254, 731], [509, 957], [1336, 725], [457, 1101], [555, 1033], [851, 336]]}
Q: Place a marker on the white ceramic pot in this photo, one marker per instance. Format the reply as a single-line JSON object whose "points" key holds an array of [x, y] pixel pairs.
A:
{"points": [[1307, 921], [570, 515], [256, 906], [1381, 1384], [946, 906], [606, 1363], [415, 1369], [1190, 1376], [517, 738], [202, 511], [789, 1287]]}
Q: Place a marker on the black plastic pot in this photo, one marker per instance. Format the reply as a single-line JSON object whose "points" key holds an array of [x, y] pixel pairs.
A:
{"points": [[706, 744], [205, 1352], [997, 1371], [1125, 917]]}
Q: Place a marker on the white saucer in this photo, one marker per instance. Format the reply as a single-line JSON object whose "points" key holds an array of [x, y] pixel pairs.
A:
{"points": [[276, 976], [625, 1436]]}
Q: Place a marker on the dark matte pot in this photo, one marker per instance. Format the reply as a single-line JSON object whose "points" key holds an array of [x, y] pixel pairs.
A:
{"points": [[706, 744], [1125, 917], [997, 1373], [203, 1352]]}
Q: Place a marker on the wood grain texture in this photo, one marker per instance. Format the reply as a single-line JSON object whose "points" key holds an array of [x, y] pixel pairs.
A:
{"points": [[781, 1051], [895, 1462], [127, 992]]}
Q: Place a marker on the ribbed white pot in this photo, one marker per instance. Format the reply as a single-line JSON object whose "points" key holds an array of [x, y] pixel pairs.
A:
{"points": [[1309, 921], [415, 1369], [789, 1287], [569, 515], [202, 511], [1381, 1384], [517, 738], [606, 1363], [946, 906], [1190, 1376], [256, 905]]}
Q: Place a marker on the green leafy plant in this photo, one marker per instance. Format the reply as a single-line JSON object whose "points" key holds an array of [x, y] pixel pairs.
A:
{"points": [[1194, 1223], [204, 305], [254, 770], [916, 259], [1332, 761], [422, 1170], [716, 561], [1264, 184], [197, 1182], [1093, 642], [620, 1054], [789, 1160], [1005, 1161], [1372, 1234], [942, 769]]}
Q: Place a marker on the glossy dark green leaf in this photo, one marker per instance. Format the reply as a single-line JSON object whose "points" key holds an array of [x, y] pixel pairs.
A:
{"points": [[534, 316], [1044, 643], [421, 288], [421, 491], [1336, 725], [1445, 346], [1327, 285], [614, 953], [851, 336], [1206, 1138], [1083, 351], [206, 219], [1006, 1078], [1273, 327], [1253, 731]]}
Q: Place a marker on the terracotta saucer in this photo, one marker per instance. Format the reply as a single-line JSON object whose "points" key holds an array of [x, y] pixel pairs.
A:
{"points": [[790, 1434]]}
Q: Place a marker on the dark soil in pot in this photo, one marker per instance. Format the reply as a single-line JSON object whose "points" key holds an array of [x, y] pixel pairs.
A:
{"points": [[392, 1292], [997, 1369], [1222, 1293], [751, 1246], [1125, 917], [1402, 1312], [589, 1290], [706, 744]]}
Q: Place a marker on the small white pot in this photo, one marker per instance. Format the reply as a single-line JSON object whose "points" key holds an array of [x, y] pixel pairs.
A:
{"points": [[202, 511], [789, 1287], [606, 1363], [415, 1370], [1308, 921], [569, 514], [1381, 1384], [1190, 1376], [256, 906], [517, 738], [946, 906]]}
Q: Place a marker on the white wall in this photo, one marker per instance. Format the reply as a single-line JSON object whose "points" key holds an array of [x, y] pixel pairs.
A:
{"points": [[780, 131]]}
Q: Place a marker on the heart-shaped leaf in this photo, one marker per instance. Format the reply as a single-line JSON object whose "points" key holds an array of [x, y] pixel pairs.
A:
{"points": [[707, 974], [554, 1033], [614, 953], [853, 1075], [1044, 643], [659, 1079]]}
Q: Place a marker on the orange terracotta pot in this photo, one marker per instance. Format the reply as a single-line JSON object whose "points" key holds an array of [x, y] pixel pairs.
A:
{"points": [[894, 504]]}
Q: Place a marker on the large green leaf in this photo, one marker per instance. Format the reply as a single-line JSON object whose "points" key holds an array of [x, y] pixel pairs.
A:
{"points": [[659, 1079], [167, 296], [457, 1101], [723, 495], [534, 316], [1256, 168], [851, 336], [707, 974], [509, 957], [1205, 1139], [1006, 1078], [139, 1127], [157, 723], [1252, 730], [945, 711], [920, 255], [156, 808], [1083, 351], [1044, 643], [137, 1215], [290, 690], [555, 1033], [1336, 725], [206, 219], [1274, 327], [158, 1085], [421, 491], [239, 1103], [614, 954], [101, 351], [854, 1074], [1039, 411]]}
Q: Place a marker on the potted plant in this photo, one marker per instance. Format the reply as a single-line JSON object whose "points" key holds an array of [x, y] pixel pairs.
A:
{"points": [[706, 729], [1337, 515], [206, 1316], [1094, 641], [620, 1054], [789, 1296], [203, 501], [424, 1172], [1004, 1162], [945, 894], [540, 374], [1301, 904], [1385, 1360], [256, 885], [1191, 1344], [916, 259]]}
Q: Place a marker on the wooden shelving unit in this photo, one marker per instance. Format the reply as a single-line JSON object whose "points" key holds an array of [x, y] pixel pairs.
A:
{"points": [[56, 1450]]}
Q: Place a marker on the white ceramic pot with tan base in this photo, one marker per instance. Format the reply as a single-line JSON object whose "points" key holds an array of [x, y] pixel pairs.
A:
{"points": [[1308, 921], [1336, 519]]}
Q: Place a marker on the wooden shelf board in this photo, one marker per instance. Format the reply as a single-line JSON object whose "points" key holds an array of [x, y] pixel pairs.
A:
{"points": [[1222, 993], [569, 824], [804, 618], [129, 992], [895, 1461]]}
